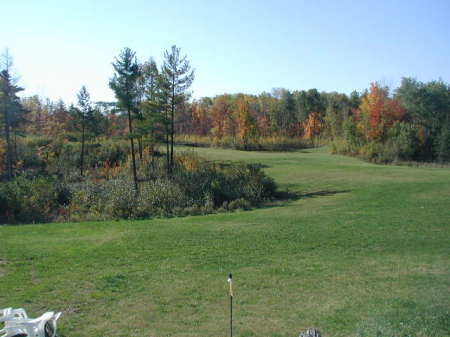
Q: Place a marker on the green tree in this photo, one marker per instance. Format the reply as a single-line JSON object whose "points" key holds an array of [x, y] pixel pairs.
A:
{"points": [[428, 106], [307, 102], [125, 86], [10, 110], [151, 124], [338, 110], [85, 118], [354, 100], [301, 105], [178, 77], [37, 115], [287, 118], [443, 142]]}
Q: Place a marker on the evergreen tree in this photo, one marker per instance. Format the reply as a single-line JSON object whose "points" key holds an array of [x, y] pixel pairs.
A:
{"points": [[10, 111], [125, 86], [355, 100], [178, 76], [85, 116], [288, 118], [301, 105], [151, 122]]}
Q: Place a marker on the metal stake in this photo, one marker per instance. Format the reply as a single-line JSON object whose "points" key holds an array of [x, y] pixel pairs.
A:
{"points": [[230, 281]]}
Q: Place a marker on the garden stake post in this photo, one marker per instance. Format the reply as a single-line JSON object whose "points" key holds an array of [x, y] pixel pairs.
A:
{"points": [[230, 281]]}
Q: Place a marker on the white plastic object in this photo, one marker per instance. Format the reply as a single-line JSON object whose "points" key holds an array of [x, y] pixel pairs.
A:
{"points": [[10, 313], [17, 323]]}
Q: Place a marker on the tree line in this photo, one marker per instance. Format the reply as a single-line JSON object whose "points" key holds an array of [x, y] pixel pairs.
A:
{"points": [[147, 100], [114, 160], [410, 123], [153, 105]]}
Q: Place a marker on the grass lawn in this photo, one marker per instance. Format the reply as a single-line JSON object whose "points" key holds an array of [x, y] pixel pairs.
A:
{"points": [[365, 251]]}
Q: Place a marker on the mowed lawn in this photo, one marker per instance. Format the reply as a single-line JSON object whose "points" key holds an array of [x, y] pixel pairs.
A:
{"points": [[363, 251]]}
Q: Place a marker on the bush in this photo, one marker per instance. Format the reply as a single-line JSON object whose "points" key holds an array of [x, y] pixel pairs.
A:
{"points": [[111, 152], [402, 143], [239, 204], [30, 200], [119, 198], [195, 187], [443, 143], [160, 197], [370, 151]]}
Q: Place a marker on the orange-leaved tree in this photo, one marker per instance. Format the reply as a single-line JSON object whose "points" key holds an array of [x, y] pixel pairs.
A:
{"points": [[247, 129], [222, 121], [312, 126], [201, 121], [378, 112]]}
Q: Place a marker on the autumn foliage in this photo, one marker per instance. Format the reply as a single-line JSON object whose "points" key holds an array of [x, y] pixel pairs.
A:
{"points": [[245, 121], [378, 113], [312, 126]]}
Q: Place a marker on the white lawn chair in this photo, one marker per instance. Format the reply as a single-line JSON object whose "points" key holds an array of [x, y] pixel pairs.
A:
{"points": [[4, 314], [17, 324], [10, 313]]}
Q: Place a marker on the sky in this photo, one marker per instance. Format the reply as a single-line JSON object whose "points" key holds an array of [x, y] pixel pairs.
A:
{"points": [[235, 46]]}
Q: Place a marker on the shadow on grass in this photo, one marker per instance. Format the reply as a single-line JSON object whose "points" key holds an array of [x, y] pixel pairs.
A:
{"points": [[323, 193], [284, 198], [293, 196]]}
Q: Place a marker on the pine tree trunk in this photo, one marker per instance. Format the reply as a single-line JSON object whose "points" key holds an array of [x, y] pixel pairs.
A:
{"points": [[172, 132], [39, 121], [82, 148], [172, 125], [9, 167], [133, 158], [167, 143], [140, 148], [15, 157]]}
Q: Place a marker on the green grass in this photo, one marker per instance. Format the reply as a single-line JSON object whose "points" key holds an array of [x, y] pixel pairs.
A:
{"points": [[365, 251]]}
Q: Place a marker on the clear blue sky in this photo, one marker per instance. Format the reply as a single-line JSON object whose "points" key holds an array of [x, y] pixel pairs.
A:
{"points": [[235, 46]]}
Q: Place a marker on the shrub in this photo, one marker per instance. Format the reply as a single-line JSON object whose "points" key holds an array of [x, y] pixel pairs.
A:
{"points": [[352, 136], [161, 197], [370, 151], [443, 143], [402, 143], [195, 187], [238, 204], [30, 200], [111, 152], [119, 198]]}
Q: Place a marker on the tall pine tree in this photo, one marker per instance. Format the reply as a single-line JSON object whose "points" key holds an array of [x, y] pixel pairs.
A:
{"points": [[125, 86], [178, 76], [84, 117], [150, 125], [10, 110]]}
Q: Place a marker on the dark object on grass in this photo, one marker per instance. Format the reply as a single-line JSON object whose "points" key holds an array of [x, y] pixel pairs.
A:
{"points": [[311, 332], [230, 281]]}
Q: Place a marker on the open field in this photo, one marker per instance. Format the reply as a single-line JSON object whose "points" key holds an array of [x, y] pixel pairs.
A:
{"points": [[364, 251]]}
